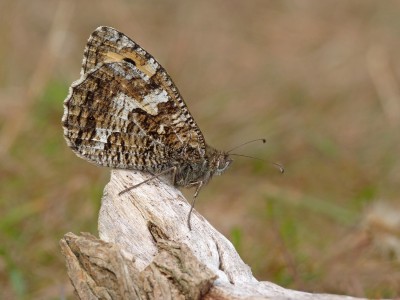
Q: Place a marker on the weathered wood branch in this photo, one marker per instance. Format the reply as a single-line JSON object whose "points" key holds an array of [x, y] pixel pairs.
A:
{"points": [[146, 251]]}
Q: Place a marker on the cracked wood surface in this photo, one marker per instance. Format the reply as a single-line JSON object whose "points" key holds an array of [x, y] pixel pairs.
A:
{"points": [[146, 251]]}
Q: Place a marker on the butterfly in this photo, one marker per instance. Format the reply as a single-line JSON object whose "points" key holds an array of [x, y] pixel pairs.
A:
{"points": [[125, 112]]}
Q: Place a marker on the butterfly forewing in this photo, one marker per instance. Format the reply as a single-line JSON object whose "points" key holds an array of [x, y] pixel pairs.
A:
{"points": [[125, 111]]}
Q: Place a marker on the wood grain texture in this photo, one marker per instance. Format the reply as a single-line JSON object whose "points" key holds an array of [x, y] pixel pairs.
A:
{"points": [[146, 251], [100, 270]]}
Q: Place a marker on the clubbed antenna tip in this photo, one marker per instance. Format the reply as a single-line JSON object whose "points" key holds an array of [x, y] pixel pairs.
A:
{"points": [[280, 167]]}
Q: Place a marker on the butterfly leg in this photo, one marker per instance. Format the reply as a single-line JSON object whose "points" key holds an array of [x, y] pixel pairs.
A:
{"points": [[173, 169], [199, 185]]}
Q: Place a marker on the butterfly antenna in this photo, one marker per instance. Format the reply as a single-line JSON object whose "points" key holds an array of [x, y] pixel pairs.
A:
{"points": [[279, 166], [252, 141], [275, 164]]}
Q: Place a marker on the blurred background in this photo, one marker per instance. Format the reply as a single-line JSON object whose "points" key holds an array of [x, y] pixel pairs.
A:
{"points": [[318, 79]]}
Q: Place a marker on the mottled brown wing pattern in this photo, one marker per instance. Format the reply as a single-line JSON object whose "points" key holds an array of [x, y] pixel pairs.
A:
{"points": [[125, 111]]}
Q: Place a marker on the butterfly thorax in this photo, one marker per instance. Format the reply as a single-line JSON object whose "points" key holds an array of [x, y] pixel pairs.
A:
{"points": [[190, 172]]}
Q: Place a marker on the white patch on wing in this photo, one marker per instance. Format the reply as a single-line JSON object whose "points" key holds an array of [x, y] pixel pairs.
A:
{"points": [[120, 70], [124, 104], [150, 101], [125, 42], [102, 135], [98, 146], [152, 66], [161, 129]]}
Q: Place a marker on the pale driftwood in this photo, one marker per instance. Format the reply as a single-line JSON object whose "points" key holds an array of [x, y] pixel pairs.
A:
{"points": [[146, 251]]}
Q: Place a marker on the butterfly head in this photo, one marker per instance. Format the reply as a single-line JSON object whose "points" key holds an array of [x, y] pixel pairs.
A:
{"points": [[219, 162], [223, 163]]}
